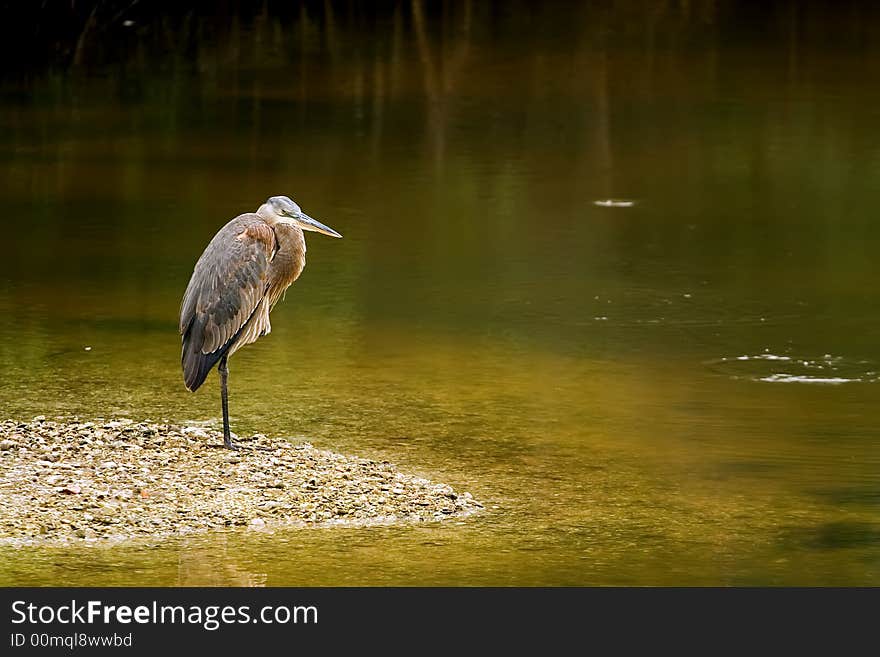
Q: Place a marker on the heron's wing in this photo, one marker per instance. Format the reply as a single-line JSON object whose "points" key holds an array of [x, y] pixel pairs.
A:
{"points": [[227, 285]]}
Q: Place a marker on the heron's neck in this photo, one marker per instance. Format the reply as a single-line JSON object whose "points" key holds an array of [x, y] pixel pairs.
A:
{"points": [[267, 215], [290, 258], [290, 237]]}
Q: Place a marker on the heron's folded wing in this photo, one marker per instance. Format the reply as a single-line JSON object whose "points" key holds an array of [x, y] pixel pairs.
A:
{"points": [[227, 284]]}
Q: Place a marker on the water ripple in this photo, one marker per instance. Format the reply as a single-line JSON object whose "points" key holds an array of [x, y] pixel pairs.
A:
{"points": [[768, 367]]}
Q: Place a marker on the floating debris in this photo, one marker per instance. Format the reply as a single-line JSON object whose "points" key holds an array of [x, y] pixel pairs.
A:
{"points": [[614, 203], [763, 357], [104, 481]]}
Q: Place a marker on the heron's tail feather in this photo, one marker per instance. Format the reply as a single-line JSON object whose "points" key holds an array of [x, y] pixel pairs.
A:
{"points": [[196, 365]]}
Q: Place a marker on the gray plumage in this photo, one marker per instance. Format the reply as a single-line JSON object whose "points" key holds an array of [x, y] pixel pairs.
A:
{"points": [[236, 282]]}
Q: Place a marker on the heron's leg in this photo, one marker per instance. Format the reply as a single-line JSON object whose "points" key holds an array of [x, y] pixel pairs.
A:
{"points": [[223, 370]]}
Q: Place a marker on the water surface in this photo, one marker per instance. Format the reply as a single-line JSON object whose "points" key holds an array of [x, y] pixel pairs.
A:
{"points": [[678, 390]]}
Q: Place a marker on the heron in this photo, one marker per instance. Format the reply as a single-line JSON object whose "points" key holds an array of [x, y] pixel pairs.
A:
{"points": [[243, 272]]}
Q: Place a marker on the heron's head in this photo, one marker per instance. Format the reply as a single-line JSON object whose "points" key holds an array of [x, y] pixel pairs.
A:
{"points": [[284, 210]]}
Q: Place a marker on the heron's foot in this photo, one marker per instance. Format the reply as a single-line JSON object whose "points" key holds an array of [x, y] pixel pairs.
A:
{"points": [[238, 447], [233, 446]]}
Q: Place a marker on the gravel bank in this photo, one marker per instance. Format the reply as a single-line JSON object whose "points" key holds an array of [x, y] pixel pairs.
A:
{"points": [[63, 482]]}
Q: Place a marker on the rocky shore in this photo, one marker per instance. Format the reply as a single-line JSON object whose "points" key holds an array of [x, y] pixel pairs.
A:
{"points": [[101, 481]]}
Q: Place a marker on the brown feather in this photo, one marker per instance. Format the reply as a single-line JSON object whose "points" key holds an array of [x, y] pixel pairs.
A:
{"points": [[226, 289]]}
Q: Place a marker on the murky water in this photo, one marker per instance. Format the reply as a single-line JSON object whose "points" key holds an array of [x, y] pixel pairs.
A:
{"points": [[676, 387]]}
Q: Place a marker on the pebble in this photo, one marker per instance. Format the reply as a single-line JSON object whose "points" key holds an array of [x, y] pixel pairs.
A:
{"points": [[107, 481]]}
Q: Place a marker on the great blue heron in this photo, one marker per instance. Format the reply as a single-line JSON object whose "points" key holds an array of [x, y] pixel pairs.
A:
{"points": [[236, 282]]}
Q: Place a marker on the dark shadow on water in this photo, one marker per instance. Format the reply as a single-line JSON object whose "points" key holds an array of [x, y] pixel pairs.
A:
{"points": [[855, 496], [836, 535]]}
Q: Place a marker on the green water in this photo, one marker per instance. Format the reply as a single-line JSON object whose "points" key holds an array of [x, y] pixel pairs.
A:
{"points": [[684, 391]]}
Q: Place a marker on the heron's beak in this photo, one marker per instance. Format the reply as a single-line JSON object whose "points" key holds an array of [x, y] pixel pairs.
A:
{"points": [[307, 223]]}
